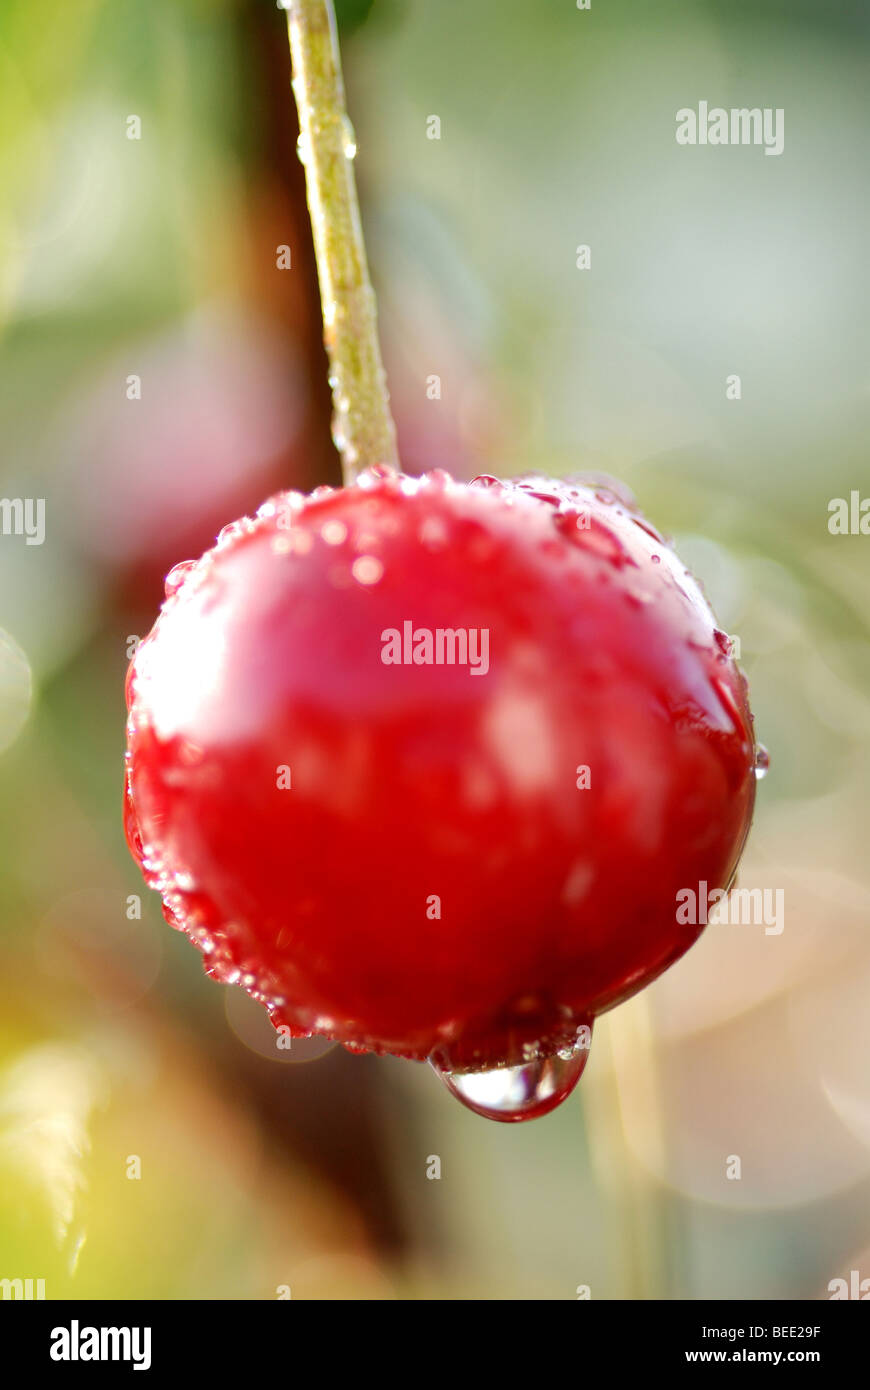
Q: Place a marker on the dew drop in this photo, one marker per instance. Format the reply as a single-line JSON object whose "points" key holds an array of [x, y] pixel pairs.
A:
{"points": [[302, 148], [348, 139], [762, 761], [282, 505], [438, 478], [523, 1092], [176, 577], [375, 475], [607, 489], [223, 971], [227, 534]]}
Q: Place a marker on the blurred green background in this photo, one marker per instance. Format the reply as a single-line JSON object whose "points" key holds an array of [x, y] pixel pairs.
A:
{"points": [[155, 257]]}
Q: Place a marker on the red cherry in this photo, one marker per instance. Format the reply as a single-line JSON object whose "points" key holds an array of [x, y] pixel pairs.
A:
{"points": [[466, 862]]}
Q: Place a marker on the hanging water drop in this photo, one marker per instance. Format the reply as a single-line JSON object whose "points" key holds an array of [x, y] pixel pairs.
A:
{"points": [[523, 1092], [762, 761], [348, 139]]}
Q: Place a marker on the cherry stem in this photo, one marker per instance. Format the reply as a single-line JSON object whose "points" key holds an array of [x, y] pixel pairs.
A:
{"points": [[363, 427]]}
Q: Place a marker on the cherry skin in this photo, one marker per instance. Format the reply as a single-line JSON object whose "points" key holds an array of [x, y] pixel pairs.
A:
{"points": [[466, 862]]}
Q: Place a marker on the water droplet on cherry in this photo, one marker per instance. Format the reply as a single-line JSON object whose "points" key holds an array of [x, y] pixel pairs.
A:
{"points": [[762, 761], [176, 577], [221, 969], [376, 475], [229, 533], [438, 478], [523, 1092]]}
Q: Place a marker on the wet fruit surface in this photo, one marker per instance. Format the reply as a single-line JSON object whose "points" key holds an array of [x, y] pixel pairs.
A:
{"points": [[463, 859]]}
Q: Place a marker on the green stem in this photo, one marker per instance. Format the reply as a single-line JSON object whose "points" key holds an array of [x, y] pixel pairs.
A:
{"points": [[363, 427]]}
